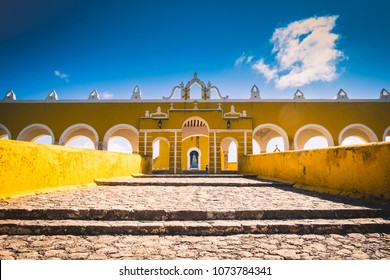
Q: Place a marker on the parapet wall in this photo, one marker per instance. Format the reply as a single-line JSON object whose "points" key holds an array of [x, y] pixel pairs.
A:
{"points": [[361, 171], [28, 168]]}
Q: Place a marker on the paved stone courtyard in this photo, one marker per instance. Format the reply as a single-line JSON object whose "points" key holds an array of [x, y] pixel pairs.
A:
{"points": [[353, 246], [230, 197]]}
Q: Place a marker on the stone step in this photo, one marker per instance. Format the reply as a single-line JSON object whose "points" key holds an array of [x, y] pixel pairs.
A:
{"points": [[194, 175], [217, 227], [188, 215], [184, 181]]}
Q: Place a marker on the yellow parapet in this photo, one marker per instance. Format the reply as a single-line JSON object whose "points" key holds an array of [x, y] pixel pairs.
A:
{"points": [[28, 168], [361, 171]]}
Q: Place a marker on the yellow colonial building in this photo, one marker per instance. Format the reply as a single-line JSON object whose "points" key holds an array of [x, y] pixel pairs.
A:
{"points": [[196, 133]]}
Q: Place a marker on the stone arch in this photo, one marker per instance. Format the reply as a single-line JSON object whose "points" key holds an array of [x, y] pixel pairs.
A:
{"points": [[4, 131], [225, 146], [79, 129], [33, 131], [195, 126], [263, 133], [358, 130], [309, 131], [129, 132], [386, 133]]}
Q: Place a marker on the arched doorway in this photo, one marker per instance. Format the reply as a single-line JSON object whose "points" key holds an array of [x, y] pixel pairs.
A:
{"points": [[160, 155], [195, 144], [229, 147]]}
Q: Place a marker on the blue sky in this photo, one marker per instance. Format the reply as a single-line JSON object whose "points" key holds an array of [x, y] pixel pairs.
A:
{"points": [[76, 46]]}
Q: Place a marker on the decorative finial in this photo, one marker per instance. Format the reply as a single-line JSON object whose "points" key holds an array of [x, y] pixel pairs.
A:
{"points": [[342, 95], [384, 94], [52, 95], [136, 94], [9, 96], [94, 95], [299, 95]]}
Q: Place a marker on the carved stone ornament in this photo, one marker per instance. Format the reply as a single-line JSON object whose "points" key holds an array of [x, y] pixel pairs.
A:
{"points": [[158, 114], [185, 91], [232, 113]]}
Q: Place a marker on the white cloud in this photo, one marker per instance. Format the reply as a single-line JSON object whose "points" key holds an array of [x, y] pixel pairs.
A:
{"points": [[263, 68], [305, 51], [106, 95], [61, 75], [243, 59]]}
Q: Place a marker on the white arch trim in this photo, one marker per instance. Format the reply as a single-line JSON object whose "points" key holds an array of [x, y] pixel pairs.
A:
{"points": [[372, 136], [189, 159], [318, 128], [387, 130], [3, 127], [276, 128], [117, 127], [70, 129], [36, 126]]}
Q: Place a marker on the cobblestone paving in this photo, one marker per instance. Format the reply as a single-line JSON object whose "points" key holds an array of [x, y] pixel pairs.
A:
{"points": [[269, 247], [179, 198]]}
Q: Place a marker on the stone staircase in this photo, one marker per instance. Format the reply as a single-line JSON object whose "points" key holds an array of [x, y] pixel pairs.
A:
{"points": [[190, 204]]}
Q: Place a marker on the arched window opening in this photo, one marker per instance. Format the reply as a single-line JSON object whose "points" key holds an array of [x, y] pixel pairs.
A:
{"points": [[38, 133], [43, 139], [353, 140], [312, 136], [119, 144], [121, 138], [268, 136], [275, 144], [4, 136], [80, 142], [228, 154], [357, 134], [316, 142]]}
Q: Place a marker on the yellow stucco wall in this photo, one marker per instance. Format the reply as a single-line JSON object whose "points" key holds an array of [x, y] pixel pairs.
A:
{"points": [[355, 171], [203, 146], [289, 115], [27, 168]]}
